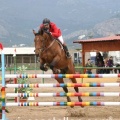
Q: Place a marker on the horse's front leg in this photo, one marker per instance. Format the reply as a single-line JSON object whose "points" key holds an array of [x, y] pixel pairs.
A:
{"points": [[43, 66]]}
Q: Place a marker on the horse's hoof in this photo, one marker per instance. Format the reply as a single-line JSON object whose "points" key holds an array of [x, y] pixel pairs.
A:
{"points": [[72, 106], [56, 71], [82, 106], [45, 69]]}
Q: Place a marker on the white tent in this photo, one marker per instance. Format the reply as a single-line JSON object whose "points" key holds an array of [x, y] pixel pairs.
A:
{"points": [[19, 50]]}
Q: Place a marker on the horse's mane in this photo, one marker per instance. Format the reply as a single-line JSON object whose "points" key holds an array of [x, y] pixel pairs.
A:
{"points": [[42, 31]]}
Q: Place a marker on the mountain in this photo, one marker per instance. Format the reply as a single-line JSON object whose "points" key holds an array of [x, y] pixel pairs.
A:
{"points": [[105, 28], [74, 17], [109, 27]]}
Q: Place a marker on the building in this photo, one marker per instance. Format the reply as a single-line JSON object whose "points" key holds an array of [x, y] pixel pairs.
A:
{"points": [[104, 44], [19, 55]]}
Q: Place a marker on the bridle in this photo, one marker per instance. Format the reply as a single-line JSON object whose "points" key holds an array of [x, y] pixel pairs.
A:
{"points": [[43, 46]]}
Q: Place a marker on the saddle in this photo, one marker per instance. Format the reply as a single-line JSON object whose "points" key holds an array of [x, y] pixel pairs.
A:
{"points": [[64, 47], [61, 45]]}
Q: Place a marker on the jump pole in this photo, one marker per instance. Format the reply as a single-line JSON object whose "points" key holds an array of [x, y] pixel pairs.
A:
{"points": [[64, 85], [3, 82], [62, 75], [63, 94], [15, 79], [64, 104]]}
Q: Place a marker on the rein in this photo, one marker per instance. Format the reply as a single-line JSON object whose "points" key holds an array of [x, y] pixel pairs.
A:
{"points": [[43, 43], [49, 45], [44, 48]]}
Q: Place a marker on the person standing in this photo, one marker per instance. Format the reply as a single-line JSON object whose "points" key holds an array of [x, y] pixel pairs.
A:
{"points": [[89, 64], [99, 62], [110, 63]]}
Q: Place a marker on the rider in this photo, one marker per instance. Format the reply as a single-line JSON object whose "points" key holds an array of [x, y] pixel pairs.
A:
{"points": [[55, 32]]}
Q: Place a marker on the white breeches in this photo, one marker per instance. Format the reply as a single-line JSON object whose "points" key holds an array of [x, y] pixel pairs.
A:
{"points": [[61, 39]]}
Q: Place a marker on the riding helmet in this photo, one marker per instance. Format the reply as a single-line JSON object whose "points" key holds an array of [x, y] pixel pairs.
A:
{"points": [[46, 21]]}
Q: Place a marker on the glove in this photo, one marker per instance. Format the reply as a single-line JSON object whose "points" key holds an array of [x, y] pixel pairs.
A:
{"points": [[47, 31]]}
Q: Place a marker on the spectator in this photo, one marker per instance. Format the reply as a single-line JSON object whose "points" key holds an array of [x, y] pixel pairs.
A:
{"points": [[110, 63], [99, 63], [89, 64], [106, 61], [117, 70]]}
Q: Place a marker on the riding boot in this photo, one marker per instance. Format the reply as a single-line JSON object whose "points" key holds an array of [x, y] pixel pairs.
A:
{"points": [[66, 51]]}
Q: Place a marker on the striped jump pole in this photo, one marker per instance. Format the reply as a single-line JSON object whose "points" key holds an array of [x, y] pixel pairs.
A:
{"points": [[63, 94], [3, 82], [64, 104], [62, 75], [64, 85]]}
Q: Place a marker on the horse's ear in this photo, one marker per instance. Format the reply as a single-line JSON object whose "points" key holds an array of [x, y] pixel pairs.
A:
{"points": [[34, 32]]}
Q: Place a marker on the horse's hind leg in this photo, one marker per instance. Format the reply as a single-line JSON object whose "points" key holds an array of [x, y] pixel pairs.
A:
{"points": [[60, 80], [76, 89], [71, 70]]}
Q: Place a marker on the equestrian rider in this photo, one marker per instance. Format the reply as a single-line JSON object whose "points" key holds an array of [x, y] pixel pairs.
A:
{"points": [[55, 32]]}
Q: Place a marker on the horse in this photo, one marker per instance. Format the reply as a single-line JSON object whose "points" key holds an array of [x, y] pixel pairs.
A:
{"points": [[52, 55]]}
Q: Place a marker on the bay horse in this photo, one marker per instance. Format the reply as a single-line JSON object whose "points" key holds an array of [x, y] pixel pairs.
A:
{"points": [[52, 55]]}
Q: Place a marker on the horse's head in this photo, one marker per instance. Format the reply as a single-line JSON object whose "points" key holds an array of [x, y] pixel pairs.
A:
{"points": [[41, 40]]}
